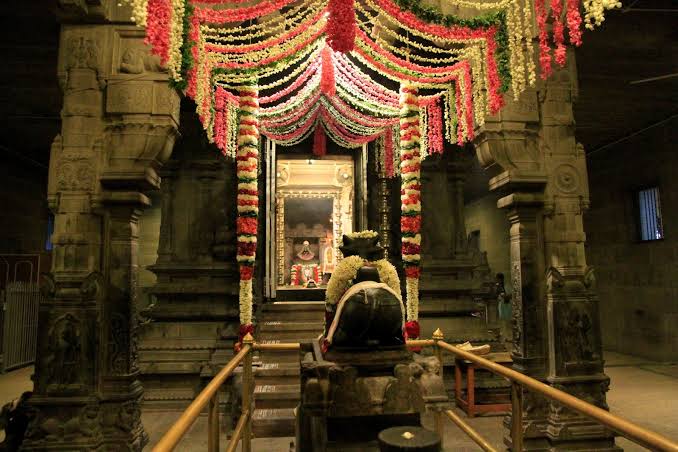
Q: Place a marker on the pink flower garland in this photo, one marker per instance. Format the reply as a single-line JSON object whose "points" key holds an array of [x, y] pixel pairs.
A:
{"points": [[435, 124], [574, 22], [558, 31], [544, 48], [341, 25], [159, 16]]}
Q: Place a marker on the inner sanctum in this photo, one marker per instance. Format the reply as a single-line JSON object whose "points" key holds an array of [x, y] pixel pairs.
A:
{"points": [[338, 225]]}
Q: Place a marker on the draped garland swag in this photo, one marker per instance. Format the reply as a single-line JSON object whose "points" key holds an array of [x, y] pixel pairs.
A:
{"points": [[396, 73]]}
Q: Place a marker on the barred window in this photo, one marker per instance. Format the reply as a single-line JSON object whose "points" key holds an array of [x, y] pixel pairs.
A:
{"points": [[650, 214]]}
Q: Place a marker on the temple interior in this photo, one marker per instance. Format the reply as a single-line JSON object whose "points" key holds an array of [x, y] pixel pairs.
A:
{"points": [[333, 225]]}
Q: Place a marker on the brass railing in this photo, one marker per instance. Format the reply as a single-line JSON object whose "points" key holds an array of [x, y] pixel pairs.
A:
{"points": [[243, 430]]}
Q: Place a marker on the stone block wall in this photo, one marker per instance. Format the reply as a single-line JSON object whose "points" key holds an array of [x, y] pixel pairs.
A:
{"points": [[149, 236], [637, 281], [483, 215]]}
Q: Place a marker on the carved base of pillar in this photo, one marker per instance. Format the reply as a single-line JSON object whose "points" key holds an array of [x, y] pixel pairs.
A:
{"points": [[86, 424]]}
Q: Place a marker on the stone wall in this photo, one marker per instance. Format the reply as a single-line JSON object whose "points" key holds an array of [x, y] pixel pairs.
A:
{"points": [[637, 281], [149, 235], [483, 215]]}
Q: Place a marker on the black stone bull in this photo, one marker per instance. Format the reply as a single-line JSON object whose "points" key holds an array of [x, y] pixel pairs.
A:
{"points": [[369, 314]]}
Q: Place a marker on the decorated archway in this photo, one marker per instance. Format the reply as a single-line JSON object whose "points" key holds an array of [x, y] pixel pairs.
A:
{"points": [[394, 72]]}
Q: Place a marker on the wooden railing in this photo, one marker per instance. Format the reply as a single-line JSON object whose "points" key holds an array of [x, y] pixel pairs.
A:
{"points": [[243, 430]]}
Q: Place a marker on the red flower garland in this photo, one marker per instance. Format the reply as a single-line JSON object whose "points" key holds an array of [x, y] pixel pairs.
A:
{"points": [[544, 48], [327, 86], [558, 32], [574, 22], [159, 16], [341, 25], [319, 141]]}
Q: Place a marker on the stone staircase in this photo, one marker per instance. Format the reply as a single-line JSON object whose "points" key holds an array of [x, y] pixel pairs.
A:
{"points": [[277, 385]]}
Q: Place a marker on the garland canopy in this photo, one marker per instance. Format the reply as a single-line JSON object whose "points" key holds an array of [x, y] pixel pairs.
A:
{"points": [[393, 72], [339, 63]]}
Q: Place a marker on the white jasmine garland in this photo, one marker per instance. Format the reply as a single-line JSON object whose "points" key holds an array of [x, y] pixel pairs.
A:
{"points": [[363, 235], [412, 289], [246, 301], [346, 271]]}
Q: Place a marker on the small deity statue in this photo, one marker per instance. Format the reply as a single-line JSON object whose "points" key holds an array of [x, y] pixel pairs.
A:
{"points": [[306, 254]]}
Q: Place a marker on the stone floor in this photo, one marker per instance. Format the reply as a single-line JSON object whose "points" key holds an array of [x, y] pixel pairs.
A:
{"points": [[642, 391]]}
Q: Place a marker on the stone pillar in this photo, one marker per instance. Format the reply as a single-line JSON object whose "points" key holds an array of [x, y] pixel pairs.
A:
{"points": [[118, 124], [556, 335]]}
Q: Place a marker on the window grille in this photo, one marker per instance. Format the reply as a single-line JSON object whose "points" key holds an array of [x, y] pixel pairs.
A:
{"points": [[650, 214]]}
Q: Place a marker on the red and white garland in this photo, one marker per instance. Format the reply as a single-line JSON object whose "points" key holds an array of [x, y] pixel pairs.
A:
{"points": [[410, 196], [247, 158]]}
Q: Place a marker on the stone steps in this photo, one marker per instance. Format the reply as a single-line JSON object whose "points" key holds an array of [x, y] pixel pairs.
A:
{"points": [[277, 379], [273, 422], [276, 395]]}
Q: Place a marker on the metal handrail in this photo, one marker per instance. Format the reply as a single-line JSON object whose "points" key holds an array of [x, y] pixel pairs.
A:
{"points": [[625, 428], [188, 417], [243, 429]]}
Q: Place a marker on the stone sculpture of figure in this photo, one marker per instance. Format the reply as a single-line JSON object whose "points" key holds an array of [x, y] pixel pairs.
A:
{"points": [[306, 254]]}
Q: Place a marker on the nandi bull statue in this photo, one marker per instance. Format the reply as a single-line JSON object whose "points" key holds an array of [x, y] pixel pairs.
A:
{"points": [[360, 377], [363, 305]]}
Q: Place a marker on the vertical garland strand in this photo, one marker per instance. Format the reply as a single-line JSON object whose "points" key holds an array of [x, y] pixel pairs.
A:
{"points": [[410, 196], [247, 160]]}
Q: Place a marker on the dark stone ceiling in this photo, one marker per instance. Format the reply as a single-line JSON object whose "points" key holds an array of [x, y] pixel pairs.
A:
{"points": [[635, 43]]}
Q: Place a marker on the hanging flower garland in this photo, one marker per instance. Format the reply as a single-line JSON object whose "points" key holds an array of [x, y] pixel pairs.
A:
{"points": [[410, 195], [341, 25], [247, 159]]}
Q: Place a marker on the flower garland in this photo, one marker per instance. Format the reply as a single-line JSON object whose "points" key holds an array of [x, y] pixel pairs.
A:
{"points": [[347, 269], [247, 158], [327, 83], [410, 195], [368, 234], [341, 25]]}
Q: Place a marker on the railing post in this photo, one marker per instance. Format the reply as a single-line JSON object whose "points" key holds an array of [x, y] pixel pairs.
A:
{"points": [[247, 388], [213, 424], [516, 417], [437, 337]]}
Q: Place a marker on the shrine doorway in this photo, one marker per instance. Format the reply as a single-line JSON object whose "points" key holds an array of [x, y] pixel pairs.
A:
{"points": [[312, 207]]}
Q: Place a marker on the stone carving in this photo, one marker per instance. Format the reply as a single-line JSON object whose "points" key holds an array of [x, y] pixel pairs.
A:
{"points": [[348, 395], [93, 286], [517, 308], [65, 354], [118, 344], [566, 178], [399, 396], [128, 416], [74, 176], [83, 53], [66, 424], [138, 61], [132, 62]]}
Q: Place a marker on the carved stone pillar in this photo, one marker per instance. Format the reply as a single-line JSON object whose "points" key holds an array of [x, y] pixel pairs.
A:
{"points": [[118, 124], [574, 339], [542, 174]]}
